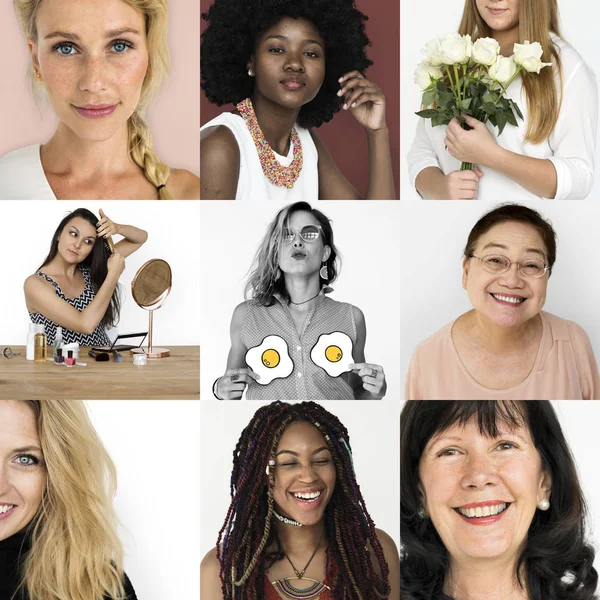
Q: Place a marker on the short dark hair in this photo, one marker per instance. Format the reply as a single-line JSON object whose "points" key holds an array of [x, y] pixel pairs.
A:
{"points": [[234, 27], [518, 214], [559, 561]]}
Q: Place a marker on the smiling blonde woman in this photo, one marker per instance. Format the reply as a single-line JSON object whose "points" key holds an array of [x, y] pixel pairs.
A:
{"points": [[58, 530], [99, 64]]}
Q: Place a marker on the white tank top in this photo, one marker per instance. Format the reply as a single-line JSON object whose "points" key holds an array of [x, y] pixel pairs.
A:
{"points": [[252, 183], [22, 176]]}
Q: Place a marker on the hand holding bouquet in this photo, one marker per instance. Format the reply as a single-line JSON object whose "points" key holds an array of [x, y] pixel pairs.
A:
{"points": [[461, 78]]}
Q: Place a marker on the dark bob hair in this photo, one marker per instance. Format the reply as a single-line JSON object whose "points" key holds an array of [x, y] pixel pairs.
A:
{"points": [[234, 26], [516, 213], [558, 561], [96, 262]]}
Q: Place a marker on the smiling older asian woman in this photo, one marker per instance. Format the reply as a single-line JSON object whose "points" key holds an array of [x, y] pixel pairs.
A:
{"points": [[491, 504], [506, 346]]}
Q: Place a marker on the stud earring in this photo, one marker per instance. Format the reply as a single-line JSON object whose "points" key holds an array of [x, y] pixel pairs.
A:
{"points": [[251, 73], [271, 464], [544, 505], [421, 513], [37, 74], [323, 273]]}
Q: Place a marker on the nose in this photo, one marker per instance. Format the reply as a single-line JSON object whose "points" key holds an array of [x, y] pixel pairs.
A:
{"points": [[512, 277], [298, 241], [479, 472], [293, 62], [93, 75], [307, 474]]}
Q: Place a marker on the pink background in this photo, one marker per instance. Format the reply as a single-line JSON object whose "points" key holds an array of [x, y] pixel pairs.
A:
{"points": [[172, 115], [344, 137]]}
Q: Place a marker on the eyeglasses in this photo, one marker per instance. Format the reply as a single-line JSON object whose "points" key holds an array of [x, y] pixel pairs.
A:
{"points": [[498, 264], [308, 233]]}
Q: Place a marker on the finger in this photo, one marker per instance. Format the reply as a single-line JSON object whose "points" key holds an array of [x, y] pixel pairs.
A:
{"points": [[353, 84], [374, 98], [246, 371], [468, 195], [478, 171], [102, 213], [353, 94], [468, 175], [363, 365], [471, 121], [468, 185], [349, 75]]}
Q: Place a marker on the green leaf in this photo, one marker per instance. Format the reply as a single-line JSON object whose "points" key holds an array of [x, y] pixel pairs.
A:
{"points": [[428, 113], [501, 119], [510, 116], [441, 86], [445, 98], [487, 97], [517, 109], [466, 103], [488, 108], [429, 97]]}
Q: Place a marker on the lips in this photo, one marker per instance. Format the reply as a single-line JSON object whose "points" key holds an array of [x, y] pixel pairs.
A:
{"points": [[497, 11], [293, 83], [508, 299], [96, 111], [298, 255]]}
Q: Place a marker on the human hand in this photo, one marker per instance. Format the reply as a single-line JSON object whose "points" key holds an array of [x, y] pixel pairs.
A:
{"points": [[116, 263], [105, 226], [474, 146], [462, 185], [372, 376], [232, 385], [364, 99]]}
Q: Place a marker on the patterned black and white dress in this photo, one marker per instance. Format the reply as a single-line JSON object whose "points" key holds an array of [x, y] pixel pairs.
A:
{"points": [[98, 338]]}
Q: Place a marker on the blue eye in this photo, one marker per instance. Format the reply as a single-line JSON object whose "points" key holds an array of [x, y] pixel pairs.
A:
{"points": [[64, 49], [121, 46], [27, 460]]}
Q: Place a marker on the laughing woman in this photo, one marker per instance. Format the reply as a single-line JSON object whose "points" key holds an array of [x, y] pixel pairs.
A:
{"points": [[99, 63], [288, 67], [551, 153]]}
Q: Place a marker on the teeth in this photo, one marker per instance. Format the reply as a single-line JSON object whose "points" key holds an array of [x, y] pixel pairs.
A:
{"points": [[307, 497], [509, 299], [4, 508], [482, 511]]}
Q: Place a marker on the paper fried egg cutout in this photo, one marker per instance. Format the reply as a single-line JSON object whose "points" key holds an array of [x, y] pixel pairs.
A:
{"points": [[270, 360], [333, 353]]}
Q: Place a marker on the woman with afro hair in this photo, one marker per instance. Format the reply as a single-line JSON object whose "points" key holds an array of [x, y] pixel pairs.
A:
{"points": [[287, 66]]}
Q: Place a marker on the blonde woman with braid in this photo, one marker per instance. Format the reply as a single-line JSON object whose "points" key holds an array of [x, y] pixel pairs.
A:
{"points": [[58, 536], [99, 63]]}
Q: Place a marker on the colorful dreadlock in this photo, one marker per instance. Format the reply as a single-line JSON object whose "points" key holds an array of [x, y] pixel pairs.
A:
{"points": [[247, 533]]}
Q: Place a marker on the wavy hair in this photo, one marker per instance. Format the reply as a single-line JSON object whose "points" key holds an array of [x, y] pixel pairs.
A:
{"points": [[230, 39], [247, 532], [556, 563], [76, 552], [96, 261], [537, 19], [265, 280], [140, 140]]}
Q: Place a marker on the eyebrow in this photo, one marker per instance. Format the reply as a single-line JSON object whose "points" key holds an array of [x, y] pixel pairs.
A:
{"points": [[76, 38], [285, 39], [90, 237], [494, 245], [296, 454], [454, 438], [28, 449]]}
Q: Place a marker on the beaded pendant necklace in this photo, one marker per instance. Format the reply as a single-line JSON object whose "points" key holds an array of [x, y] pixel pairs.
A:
{"points": [[276, 173]]}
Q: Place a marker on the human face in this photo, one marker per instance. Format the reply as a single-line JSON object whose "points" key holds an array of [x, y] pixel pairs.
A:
{"points": [[77, 240], [499, 15], [289, 62], [461, 468], [489, 292], [300, 257], [22, 469], [303, 465], [93, 58]]}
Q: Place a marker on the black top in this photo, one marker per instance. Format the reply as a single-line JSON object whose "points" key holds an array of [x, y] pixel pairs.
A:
{"points": [[12, 552]]}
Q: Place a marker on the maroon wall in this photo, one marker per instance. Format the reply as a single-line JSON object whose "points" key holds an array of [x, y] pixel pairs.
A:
{"points": [[343, 136]]}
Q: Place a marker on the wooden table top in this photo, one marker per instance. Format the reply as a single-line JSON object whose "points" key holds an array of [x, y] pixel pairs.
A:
{"points": [[176, 377]]}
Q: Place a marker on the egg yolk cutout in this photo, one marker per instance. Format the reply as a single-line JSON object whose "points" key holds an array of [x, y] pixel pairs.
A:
{"points": [[333, 353], [270, 360]]}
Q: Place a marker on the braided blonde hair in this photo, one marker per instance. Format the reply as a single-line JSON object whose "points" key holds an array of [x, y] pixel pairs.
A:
{"points": [[140, 139]]}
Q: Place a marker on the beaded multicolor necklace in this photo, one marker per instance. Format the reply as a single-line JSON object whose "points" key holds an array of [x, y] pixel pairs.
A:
{"points": [[276, 173]]}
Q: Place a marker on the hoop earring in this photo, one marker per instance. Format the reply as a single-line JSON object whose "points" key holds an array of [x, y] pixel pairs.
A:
{"points": [[323, 273]]}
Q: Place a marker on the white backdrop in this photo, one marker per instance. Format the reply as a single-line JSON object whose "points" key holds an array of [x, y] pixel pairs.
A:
{"points": [[156, 448], [366, 234], [579, 421], [433, 235], [374, 436], [420, 22], [27, 229]]}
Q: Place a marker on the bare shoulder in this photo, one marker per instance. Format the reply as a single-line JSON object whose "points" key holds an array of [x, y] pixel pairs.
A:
{"points": [[392, 558], [359, 316], [387, 543], [184, 185], [219, 143], [210, 580], [219, 163], [33, 284]]}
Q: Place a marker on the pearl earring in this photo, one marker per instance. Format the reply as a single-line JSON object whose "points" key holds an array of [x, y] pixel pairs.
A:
{"points": [[544, 505], [421, 513], [250, 73]]}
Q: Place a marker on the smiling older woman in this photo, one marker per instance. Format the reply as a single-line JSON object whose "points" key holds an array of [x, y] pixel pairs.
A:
{"points": [[490, 502], [506, 346]]}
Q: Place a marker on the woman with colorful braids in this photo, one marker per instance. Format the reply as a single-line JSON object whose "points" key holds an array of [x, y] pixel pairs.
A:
{"points": [[297, 525]]}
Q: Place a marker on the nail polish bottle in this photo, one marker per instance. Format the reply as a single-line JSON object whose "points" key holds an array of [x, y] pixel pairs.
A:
{"points": [[70, 360], [59, 359]]}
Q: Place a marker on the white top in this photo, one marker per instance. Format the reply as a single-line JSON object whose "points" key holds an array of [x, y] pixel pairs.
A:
{"points": [[571, 146], [252, 182], [22, 176]]}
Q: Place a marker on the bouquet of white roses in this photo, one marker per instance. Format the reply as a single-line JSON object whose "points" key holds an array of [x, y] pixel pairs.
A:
{"points": [[459, 76]]}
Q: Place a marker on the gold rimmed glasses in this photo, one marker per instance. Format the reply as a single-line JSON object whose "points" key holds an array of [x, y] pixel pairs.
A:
{"points": [[532, 268]]}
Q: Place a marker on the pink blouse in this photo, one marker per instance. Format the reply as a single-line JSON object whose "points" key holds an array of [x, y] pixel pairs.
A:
{"points": [[564, 369]]}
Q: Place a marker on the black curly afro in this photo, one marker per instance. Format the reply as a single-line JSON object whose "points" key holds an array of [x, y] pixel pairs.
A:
{"points": [[234, 26]]}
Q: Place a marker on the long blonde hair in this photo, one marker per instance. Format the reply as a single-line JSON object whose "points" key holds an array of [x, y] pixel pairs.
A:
{"points": [[140, 139], [537, 19], [76, 553]]}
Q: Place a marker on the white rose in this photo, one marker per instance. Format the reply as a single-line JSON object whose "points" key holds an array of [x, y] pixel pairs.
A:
{"points": [[425, 73], [485, 51], [433, 52], [455, 48], [529, 56], [502, 70]]}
